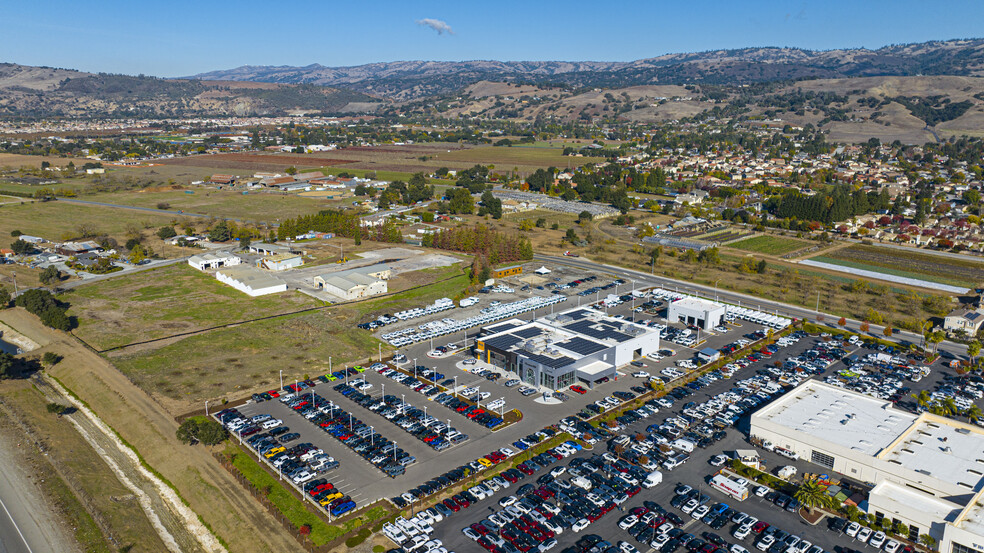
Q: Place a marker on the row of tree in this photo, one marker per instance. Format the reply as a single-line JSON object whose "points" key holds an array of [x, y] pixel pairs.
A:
{"points": [[340, 223], [491, 244]]}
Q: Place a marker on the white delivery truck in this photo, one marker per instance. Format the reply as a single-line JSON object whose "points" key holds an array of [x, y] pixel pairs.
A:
{"points": [[653, 479], [729, 487]]}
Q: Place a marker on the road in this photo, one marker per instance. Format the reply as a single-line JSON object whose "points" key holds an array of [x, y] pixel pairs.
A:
{"points": [[641, 279], [27, 524]]}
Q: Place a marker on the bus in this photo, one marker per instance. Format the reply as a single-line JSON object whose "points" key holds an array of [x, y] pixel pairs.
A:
{"points": [[729, 487]]}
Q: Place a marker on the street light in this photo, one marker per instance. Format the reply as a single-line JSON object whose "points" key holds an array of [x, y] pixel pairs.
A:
{"points": [[371, 440], [206, 408], [281, 379], [455, 387], [716, 289], [415, 367]]}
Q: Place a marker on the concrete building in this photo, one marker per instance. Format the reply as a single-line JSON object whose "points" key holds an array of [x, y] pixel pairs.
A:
{"points": [[922, 470], [251, 281], [356, 283], [560, 349], [264, 248], [214, 260], [280, 262], [695, 311]]}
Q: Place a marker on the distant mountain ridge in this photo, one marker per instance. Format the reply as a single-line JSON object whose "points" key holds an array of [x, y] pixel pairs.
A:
{"points": [[413, 79], [28, 92]]}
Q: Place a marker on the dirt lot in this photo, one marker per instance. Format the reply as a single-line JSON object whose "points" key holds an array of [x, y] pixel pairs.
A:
{"points": [[209, 490]]}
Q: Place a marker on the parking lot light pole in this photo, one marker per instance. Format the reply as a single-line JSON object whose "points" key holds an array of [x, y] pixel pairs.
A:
{"points": [[206, 408], [478, 396], [456, 386], [281, 380], [415, 367], [403, 398], [502, 405], [329, 364], [350, 421], [380, 345], [372, 441]]}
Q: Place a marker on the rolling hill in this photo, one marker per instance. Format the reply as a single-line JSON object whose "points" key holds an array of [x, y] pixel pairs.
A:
{"points": [[42, 92]]}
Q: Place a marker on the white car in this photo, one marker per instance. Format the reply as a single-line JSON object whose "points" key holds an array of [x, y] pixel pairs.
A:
{"points": [[689, 506], [864, 533], [659, 541], [700, 512], [852, 529], [877, 539], [892, 546], [626, 547], [579, 525], [765, 542], [557, 471], [628, 521], [718, 460], [741, 532], [470, 534], [640, 374]]}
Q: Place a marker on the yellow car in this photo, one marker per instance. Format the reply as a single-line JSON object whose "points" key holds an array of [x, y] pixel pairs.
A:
{"points": [[485, 462], [331, 497], [274, 451]]}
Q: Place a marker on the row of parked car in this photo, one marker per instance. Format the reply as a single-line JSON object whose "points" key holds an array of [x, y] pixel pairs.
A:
{"points": [[441, 304], [425, 383], [487, 315], [424, 427], [301, 464]]}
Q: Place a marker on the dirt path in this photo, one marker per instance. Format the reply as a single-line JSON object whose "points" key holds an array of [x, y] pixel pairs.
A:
{"points": [[209, 490]]}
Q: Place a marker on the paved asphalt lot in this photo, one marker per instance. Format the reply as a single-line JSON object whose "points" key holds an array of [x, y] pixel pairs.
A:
{"points": [[693, 473]]}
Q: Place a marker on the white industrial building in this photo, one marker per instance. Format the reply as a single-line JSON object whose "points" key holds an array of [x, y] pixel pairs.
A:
{"points": [[214, 260], [925, 471], [251, 280], [560, 349], [697, 312], [356, 283], [280, 262]]}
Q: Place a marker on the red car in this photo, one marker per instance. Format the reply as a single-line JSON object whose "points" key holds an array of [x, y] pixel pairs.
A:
{"points": [[274, 393], [450, 504], [462, 502], [579, 389], [760, 527], [525, 469]]}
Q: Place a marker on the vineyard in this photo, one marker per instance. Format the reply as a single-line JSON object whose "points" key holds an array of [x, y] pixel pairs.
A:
{"points": [[770, 245], [945, 270], [722, 237]]}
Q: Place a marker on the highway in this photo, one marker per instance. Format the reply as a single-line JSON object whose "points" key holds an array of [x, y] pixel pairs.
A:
{"points": [[643, 279]]}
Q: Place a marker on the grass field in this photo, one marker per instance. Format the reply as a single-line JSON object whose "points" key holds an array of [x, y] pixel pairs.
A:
{"points": [[257, 206], [769, 245], [61, 220], [913, 264], [166, 301], [236, 360], [505, 158]]}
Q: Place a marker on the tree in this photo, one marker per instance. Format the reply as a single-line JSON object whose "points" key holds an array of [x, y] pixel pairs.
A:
{"points": [[928, 541], [812, 495], [137, 254], [584, 217], [888, 331], [4, 297], [526, 225], [922, 398], [6, 365], [220, 232], [56, 408], [50, 274], [865, 326], [842, 321], [935, 337], [166, 232], [244, 242], [572, 236], [973, 413], [541, 222], [461, 201], [21, 247], [50, 359], [973, 350], [199, 429], [291, 170]]}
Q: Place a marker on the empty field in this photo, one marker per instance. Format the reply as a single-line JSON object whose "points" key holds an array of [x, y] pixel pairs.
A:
{"points": [[61, 220], [505, 158], [166, 301], [257, 206], [770, 245], [913, 264]]}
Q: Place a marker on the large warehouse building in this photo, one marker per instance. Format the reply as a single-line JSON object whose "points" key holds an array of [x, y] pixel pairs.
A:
{"points": [[925, 471], [560, 349], [697, 312], [356, 283]]}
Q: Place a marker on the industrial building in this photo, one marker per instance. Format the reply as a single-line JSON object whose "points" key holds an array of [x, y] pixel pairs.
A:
{"points": [[924, 471], [356, 283], [560, 349], [280, 262], [696, 312], [507, 271], [250, 280], [214, 260]]}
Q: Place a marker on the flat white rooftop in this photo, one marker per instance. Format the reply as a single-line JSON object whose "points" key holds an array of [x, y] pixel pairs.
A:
{"points": [[696, 304], [942, 448], [908, 499], [841, 417]]}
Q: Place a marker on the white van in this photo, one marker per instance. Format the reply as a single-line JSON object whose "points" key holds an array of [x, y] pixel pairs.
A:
{"points": [[653, 479], [683, 445]]}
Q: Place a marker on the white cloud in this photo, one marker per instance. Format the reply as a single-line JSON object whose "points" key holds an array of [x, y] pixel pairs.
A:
{"points": [[436, 24]]}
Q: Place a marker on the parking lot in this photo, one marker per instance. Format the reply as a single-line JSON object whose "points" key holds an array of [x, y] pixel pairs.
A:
{"points": [[695, 472]]}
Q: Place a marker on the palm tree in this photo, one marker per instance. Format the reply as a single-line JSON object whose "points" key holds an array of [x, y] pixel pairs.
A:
{"points": [[922, 399], [812, 495], [973, 350], [973, 413], [949, 407]]}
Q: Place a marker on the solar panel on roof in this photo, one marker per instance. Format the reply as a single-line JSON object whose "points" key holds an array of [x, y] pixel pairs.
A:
{"points": [[550, 361], [528, 332], [588, 329], [503, 342], [581, 346]]}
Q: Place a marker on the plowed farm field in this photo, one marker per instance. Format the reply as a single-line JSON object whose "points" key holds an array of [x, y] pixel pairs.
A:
{"points": [[255, 162], [945, 270]]}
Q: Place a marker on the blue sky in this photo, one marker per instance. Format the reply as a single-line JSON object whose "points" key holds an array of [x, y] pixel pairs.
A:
{"points": [[181, 38]]}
